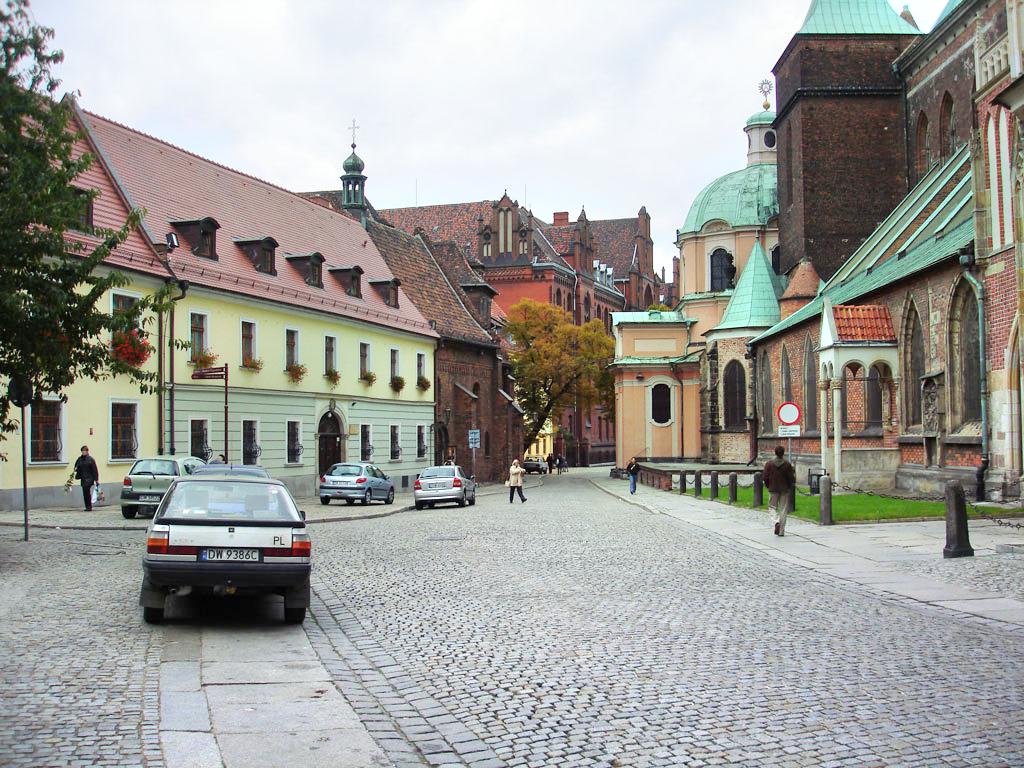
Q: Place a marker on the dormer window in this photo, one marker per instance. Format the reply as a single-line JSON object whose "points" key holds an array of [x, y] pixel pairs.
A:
{"points": [[202, 234], [387, 290], [311, 266], [350, 279], [262, 253], [84, 222], [481, 295]]}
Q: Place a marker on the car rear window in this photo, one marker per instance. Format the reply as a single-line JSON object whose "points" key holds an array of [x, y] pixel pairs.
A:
{"points": [[219, 500], [438, 472], [346, 470], [221, 469], [156, 466]]}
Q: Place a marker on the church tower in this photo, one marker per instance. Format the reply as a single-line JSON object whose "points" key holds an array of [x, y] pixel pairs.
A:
{"points": [[353, 182]]}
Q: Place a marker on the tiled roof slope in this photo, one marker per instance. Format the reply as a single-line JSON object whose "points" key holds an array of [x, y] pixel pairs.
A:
{"points": [[803, 282], [615, 243], [457, 222], [458, 270], [854, 17], [425, 283], [754, 303], [863, 322], [176, 185]]}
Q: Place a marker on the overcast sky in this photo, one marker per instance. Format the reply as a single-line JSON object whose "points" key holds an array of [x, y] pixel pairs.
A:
{"points": [[602, 103]]}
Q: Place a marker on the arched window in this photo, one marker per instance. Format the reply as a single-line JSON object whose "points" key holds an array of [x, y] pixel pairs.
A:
{"points": [[965, 357], [921, 145], [873, 400], [734, 386], [586, 308], [648, 297], [777, 260], [913, 365], [947, 127], [558, 297], [810, 387], [661, 403], [784, 375], [765, 400], [722, 270]]}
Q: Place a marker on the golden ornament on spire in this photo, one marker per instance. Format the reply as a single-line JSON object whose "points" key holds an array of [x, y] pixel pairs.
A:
{"points": [[765, 87]]}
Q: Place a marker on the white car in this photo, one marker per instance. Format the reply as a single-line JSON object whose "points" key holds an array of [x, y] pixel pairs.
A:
{"points": [[448, 483], [227, 536]]}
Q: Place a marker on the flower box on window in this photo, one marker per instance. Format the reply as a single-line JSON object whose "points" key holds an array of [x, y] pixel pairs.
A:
{"points": [[332, 376], [368, 377], [131, 348], [422, 383], [204, 358], [397, 383], [296, 372], [253, 364]]}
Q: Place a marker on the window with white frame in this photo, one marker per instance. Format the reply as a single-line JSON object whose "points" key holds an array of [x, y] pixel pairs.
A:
{"points": [[199, 439], [396, 444], [45, 438], [394, 363], [365, 442], [330, 354], [294, 442], [291, 347], [421, 365], [198, 327], [421, 441], [250, 441], [248, 342], [121, 303], [364, 358], [124, 430]]}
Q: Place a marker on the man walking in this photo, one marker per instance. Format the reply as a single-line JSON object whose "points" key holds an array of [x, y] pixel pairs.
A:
{"points": [[780, 479], [632, 469], [87, 471]]}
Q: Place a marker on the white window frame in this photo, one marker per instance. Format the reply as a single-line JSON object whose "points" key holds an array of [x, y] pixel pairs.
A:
{"points": [[207, 331], [255, 339], [300, 462], [370, 441], [369, 355], [62, 459], [426, 445], [122, 292], [241, 441], [207, 422], [298, 347], [110, 428], [398, 441], [421, 365], [395, 361], [334, 352]]}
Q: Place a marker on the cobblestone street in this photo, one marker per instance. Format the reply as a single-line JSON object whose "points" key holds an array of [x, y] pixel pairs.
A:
{"points": [[575, 629]]}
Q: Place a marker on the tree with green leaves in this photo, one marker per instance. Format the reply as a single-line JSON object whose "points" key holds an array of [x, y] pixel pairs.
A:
{"points": [[557, 364], [53, 331]]}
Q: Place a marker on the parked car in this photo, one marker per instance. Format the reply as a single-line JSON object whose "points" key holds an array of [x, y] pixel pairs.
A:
{"points": [[535, 465], [356, 480], [227, 536], [148, 480], [438, 485], [231, 470]]}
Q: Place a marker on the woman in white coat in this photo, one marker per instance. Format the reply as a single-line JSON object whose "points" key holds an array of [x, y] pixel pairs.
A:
{"points": [[515, 481]]}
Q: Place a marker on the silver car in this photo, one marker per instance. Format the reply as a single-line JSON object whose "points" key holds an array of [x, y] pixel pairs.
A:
{"points": [[356, 481], [437, 485]]}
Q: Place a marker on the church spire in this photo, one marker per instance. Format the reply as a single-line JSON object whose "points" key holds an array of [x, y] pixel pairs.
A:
{"points": [[353, 182]]}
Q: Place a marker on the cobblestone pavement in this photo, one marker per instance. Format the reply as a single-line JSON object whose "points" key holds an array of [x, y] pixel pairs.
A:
{"points": [[78, 668], [580, 629]]}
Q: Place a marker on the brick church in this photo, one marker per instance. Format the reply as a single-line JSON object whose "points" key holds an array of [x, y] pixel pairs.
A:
{"points": [[871, 276]]}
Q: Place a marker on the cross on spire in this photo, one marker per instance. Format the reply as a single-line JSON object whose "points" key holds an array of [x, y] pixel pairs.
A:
{"points": [[353, 128]]}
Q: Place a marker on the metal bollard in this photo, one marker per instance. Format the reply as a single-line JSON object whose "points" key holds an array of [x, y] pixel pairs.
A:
{"points": [[758, 489], [696, 484], [732, 487], [682, 483], [958, 544], [714, 485], [825, 500]]}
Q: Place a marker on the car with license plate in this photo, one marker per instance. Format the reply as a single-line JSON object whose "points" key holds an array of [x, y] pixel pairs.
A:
{"points": [[231, 470], [354, 481], [148, 480], [444, 484], [537, 465], [227, 536]]}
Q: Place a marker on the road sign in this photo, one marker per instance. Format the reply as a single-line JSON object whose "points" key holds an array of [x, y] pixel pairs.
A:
{"points": [[220, 372], [788, 414], [474, 438], [789, 430], [19, 392]]}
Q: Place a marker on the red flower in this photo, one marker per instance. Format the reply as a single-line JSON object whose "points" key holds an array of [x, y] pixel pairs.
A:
{"points": [[131, 348]]}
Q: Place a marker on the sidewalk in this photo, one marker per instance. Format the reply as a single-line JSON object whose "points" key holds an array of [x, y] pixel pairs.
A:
{"points": [[894, 560]]}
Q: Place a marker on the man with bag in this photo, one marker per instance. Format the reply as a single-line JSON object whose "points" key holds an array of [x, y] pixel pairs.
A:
{"points": [[87, 471], [632, 469], [780, 479]]}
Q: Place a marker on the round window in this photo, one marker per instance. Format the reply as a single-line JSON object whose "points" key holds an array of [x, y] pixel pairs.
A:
{"points": [[769, 139]]}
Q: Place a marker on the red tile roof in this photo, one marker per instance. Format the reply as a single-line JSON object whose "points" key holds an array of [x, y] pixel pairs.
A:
{"points": [[175, 185], [803, 282], [615, 243], [457, 222], [868, 322]]}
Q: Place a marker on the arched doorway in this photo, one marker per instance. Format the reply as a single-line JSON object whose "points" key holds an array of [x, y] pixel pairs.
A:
{"points": [[331, 446]]}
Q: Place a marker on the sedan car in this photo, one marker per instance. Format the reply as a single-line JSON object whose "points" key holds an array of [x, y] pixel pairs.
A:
{"points": [[356, 481], [437, 485], [537, 465], [148, 480], [227, 536], [231, 470]]}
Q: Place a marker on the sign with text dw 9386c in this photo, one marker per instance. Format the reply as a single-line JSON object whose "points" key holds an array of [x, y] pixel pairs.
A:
{"points": [[788, 415]]}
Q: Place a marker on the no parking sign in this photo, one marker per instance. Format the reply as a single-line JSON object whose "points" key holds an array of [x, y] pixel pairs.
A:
{"points": [[788, 415]]}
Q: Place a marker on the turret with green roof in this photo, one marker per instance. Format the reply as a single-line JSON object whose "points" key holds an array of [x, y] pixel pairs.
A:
{"points": [[754, 303], [854, 17]]}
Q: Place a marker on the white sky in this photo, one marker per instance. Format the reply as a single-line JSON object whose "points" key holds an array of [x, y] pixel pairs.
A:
{"points": [[601, 103]]}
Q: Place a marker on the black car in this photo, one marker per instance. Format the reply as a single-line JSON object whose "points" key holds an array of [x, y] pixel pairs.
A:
{"points": [[535, 465]]}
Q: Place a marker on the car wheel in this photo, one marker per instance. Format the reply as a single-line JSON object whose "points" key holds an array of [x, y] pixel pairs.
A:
{"points": [[325, 500], [391, 496], [462, 502], [367, 498], [419, 505], [128, 513], [153, 615], [472, 500], [294, 615]]}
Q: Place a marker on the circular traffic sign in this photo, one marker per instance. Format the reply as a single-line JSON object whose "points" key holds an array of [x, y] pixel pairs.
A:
{"points": [[788, 413]]}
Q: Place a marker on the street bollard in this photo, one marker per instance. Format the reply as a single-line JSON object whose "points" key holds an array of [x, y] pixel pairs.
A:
{"points": [[825, 500], [696, 485], [958, 544], [714, 485], [758, 489], [682, 483], [732, 487]]}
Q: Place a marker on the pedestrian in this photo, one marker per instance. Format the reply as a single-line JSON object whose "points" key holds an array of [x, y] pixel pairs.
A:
{"points": [[561, 464], [780, 479], [632, 469], [515, 481], [87, 471], [551, 463]]}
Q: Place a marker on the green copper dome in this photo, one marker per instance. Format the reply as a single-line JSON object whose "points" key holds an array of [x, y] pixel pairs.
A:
{"points": [[767, 117], [748, 197], [353, 164], [855, 17], [754, 303]]}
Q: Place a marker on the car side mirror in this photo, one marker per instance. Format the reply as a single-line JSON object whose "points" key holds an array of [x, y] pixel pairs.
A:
{"points": [[302, 514], [386, 477]]}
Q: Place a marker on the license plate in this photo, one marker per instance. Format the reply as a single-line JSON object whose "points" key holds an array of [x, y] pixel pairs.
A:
{"points": [[232, 555], [149, 498], [437, 485]]}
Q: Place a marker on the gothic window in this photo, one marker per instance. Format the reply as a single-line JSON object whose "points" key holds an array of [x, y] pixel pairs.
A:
{"points": [[1006, 178], [558, 297], [965, 357], [810, 387], [947, 127], [586, 309], [661, 403], [913, 365], [504, 231], [734, 387], [921, 145], [784, 374], [722, 270], [765, 399], [777, 260], [648, 298], [873, 399]]}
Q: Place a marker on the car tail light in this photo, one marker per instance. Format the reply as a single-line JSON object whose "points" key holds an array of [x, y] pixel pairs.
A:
{"points": [[127, 481], [301, 547], [360, 479], [416, 486], [457, 483], [156, 542], [323, 478]]}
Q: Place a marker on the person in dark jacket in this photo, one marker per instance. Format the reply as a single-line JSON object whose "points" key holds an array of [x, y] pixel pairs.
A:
{"points": [[87, 471], [632, 469], [780, 480]]}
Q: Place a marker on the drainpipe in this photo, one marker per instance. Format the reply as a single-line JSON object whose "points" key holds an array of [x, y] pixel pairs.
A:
{"points": [[160, 382], [967, 261]]}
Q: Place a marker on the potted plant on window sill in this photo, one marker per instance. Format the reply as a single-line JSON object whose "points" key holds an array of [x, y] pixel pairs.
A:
{"points": [[204, 359], [422, 383], [368, 377], [130, 348], [332, 376], [296, 372], [253, 364], [397, 383]]}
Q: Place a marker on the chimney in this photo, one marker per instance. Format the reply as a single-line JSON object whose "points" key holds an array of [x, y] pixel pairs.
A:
{"points": [[561, 218]]}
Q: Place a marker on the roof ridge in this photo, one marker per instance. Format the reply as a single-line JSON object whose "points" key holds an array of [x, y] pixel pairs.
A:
{"points": [[437, 205]]}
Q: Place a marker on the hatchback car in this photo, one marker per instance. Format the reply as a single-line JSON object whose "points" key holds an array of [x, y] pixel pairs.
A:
{"points": [[227, 536], [437, 485], [148, 480], [356, 481], [537, 465]]}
